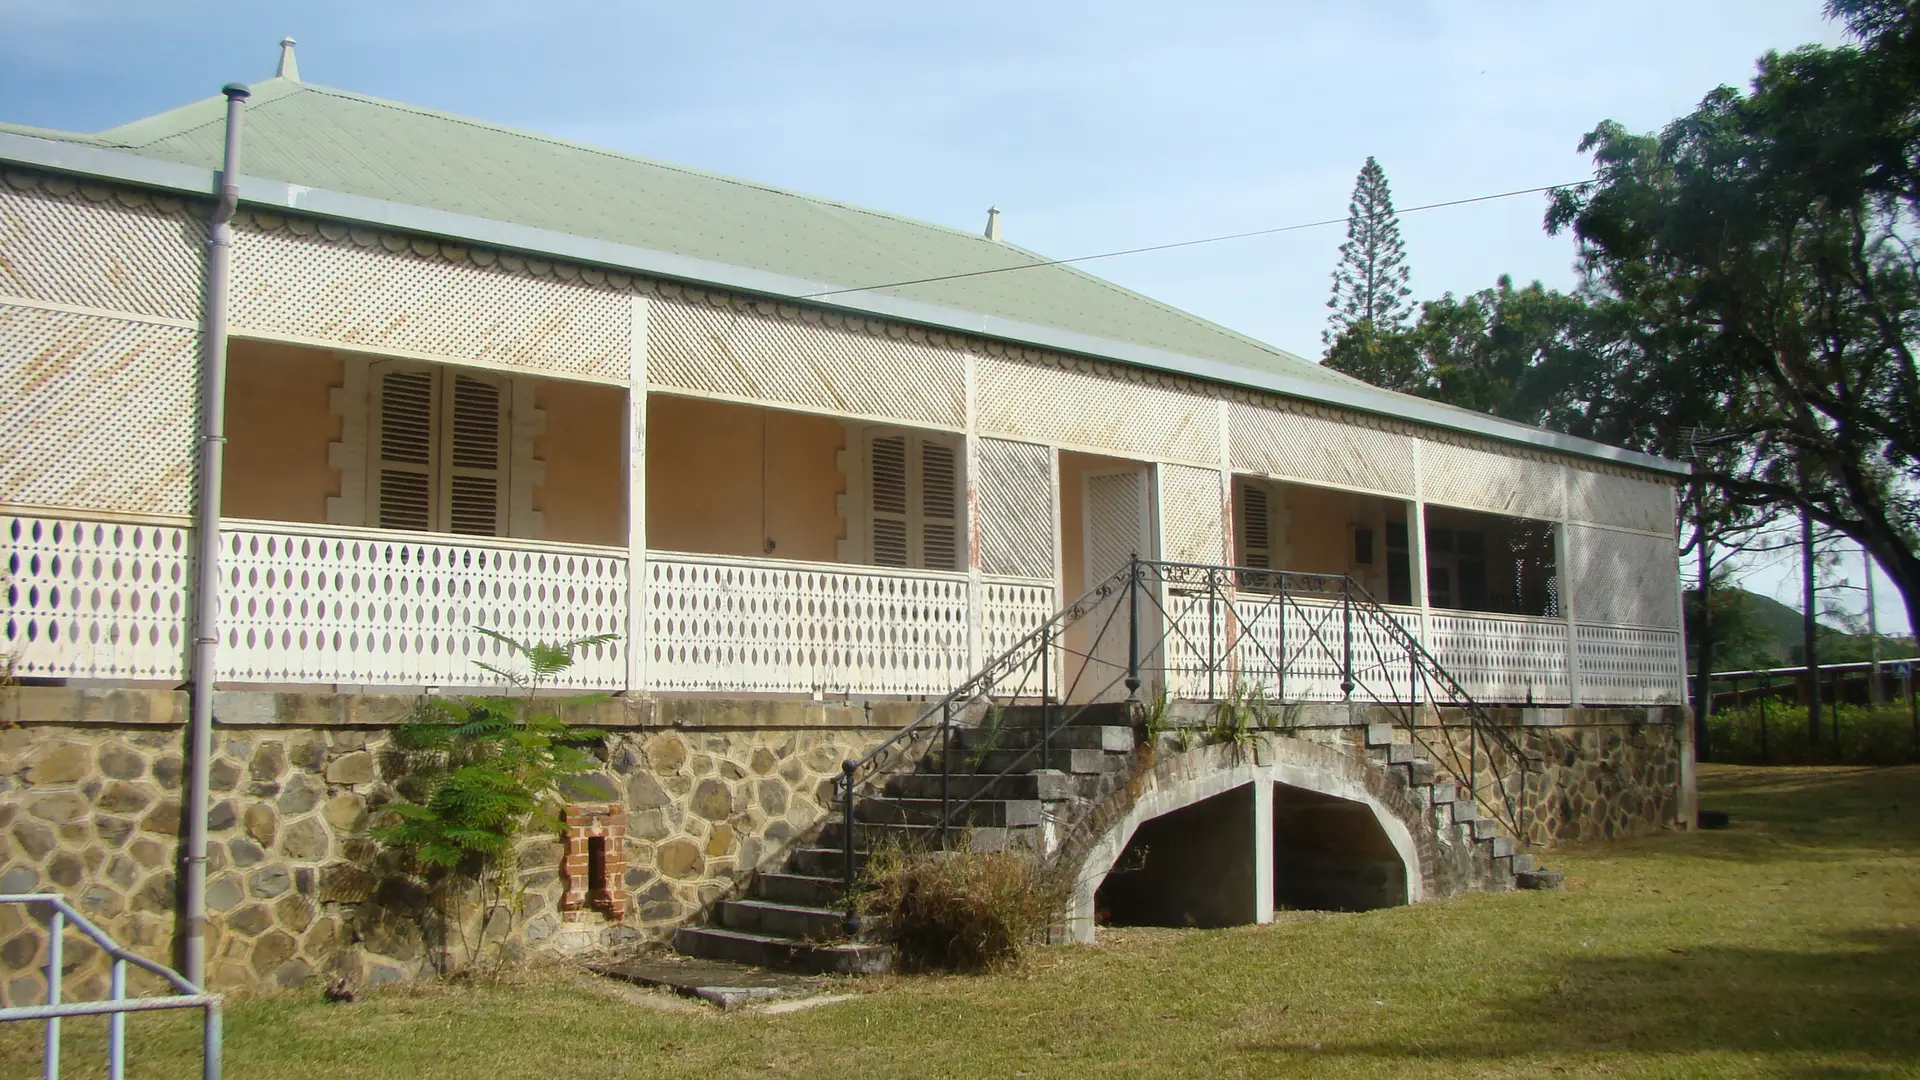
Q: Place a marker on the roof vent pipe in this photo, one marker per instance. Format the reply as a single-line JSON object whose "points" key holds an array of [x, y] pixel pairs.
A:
{"points": [[993, 223], [289, 70], [206, 529]]}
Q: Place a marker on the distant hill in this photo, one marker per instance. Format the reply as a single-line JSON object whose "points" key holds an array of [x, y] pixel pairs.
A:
{"points": [[1770, 635]]}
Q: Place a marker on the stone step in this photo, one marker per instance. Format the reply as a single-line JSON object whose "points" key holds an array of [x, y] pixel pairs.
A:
{"points": [[1485, 828], [990, 813], [867, 834], [1465, 811], [1522, 863], [801, 889], [1072, 737], [1398, 753], [1502, 845], [803, 923], [1096, 714], [822, 861], [1445, 794], [765, 950], [1421, 773], [1048, 786], [1379, 735], [1020, 761]]}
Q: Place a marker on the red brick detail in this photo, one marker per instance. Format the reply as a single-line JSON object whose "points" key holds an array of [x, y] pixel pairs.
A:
{"points": [[591, 827]]}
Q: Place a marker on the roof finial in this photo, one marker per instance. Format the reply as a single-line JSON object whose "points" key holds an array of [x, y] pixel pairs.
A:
{"points": [[289, 70], [993, 223]]}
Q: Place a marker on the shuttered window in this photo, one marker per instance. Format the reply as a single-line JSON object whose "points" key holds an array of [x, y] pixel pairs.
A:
{"points": [[1256, 535], [440, 450], [913, 507]]}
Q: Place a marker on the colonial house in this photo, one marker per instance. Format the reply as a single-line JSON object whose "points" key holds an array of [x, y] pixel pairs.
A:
{"points": [[810, 465]]}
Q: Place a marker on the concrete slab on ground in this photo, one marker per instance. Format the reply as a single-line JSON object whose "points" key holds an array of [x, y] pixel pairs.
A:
{"points": [[730, 986]]}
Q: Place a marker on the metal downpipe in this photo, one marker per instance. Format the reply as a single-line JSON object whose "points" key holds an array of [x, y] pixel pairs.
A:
{"points": [[206, 534]]}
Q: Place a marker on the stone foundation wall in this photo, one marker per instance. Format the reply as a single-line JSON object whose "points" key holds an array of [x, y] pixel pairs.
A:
{"points": [[297, 891]]}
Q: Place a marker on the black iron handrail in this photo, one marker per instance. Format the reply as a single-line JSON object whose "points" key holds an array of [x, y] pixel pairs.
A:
{"points": [[1244, 596]]}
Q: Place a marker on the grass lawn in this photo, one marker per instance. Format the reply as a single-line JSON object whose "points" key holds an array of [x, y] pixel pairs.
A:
{"points": [[1787, 946]]}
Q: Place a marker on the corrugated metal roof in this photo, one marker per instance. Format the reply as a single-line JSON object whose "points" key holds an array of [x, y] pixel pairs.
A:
{"points": [[312, 135]]}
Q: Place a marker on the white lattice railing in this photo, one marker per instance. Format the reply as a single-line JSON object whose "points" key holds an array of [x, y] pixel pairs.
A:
{"points": [[320, 604], [752, 626], [1294, 649], [1509, 659], [1630, 665], [96, 599]]}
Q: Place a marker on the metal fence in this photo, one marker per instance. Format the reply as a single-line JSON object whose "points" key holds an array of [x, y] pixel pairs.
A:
{"points": [[60, 919]]}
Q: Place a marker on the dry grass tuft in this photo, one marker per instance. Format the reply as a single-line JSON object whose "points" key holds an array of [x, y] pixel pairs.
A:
{"points": [[962, 910]]}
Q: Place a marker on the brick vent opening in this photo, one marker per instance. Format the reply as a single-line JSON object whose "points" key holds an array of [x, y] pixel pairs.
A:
{"points": [[596, 860]]}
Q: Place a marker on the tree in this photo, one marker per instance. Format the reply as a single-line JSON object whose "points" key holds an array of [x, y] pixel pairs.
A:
{"points": [[1370, 282], [1762, 245]]}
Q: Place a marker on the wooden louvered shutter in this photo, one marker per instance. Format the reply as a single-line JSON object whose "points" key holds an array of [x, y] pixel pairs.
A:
{"points": [[887, 509], [404, 448], [476, 456], [1256, 528], [939, 507]]}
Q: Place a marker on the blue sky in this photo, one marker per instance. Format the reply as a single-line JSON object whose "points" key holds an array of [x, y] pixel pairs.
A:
{"points": [[1093, 126]]}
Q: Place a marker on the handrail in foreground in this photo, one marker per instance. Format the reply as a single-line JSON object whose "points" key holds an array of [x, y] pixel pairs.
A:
{"points": [[187, 996]]}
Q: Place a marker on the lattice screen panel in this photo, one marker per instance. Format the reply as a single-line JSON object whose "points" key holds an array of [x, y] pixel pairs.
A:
{"points": [[714, 344], [1624, 579], [1297, 446], [382, 292], [93, 246], [1628, 502], [1192, 527], [1476, 479], [100, 413], [333, 606], [1089, 408], [96, 600], [1015, 493]]}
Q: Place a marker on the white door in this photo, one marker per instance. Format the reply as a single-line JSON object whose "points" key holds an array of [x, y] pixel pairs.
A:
{"points": [[1117, 505]]}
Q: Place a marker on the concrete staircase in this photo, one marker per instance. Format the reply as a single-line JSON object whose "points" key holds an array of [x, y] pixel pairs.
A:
{"points": [[795, 917], [1496, 856]]}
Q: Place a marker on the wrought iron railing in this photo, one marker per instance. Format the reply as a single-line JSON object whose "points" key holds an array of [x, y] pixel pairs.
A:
{"points": [[61, 917], [1196, 632]]}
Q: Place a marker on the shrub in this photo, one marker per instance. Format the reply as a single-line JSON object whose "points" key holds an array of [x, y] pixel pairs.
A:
{"points": [[960, 909], [481, 773], [1868, 736]]}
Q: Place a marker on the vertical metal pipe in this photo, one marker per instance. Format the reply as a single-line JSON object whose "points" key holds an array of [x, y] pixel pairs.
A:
{"points": [[117, 1025], [1213, 612], [946, 770], [206, 527], [847, 767], [1133, 628], [1766, 691], [1346, 636], [1046, 690], [1703, 630], [56, 942], [1808, 629], [1280, 635], [210, 1044]]}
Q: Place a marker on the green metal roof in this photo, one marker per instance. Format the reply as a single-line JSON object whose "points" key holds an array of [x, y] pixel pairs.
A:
{"points": [[316, 136]]}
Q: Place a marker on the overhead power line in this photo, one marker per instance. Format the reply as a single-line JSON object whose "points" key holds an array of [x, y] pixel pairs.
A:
{"points": [[1181, 243]]}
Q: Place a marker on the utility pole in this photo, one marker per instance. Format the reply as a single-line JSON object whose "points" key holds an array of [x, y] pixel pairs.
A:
{"points": [[1808, 629], [1703, 628], [1874, 694]]}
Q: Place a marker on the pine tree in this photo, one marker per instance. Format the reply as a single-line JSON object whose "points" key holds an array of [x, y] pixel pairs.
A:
{"points": [[1370, 284]]}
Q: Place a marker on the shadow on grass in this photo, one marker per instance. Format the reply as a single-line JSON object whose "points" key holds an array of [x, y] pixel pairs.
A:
{"points": [[1856, 998]]}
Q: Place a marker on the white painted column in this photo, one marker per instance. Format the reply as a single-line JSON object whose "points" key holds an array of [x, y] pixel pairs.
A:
{"points": [[976, 591], [635, 430], [1262, 849], [1562, 564]]}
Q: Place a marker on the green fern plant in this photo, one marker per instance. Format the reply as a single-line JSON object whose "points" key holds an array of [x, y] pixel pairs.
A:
{"points": [[480, 774]]}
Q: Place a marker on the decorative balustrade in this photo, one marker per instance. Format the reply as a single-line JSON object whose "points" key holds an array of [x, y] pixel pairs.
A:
{"points": [[751, 626], [1630, 665], [96, 599], [319, 604]]}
